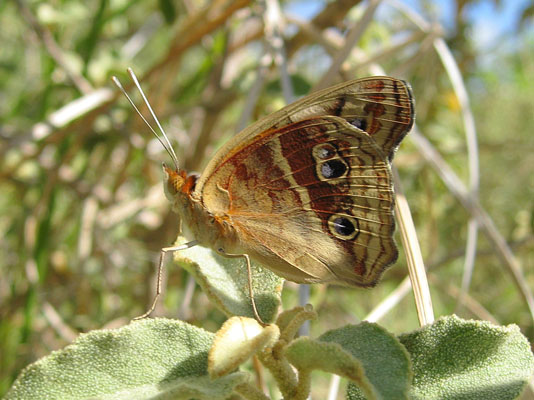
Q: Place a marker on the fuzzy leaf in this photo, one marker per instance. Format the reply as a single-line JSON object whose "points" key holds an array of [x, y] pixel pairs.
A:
{"points": [[307, 354], [238, 339], [289, 321], [454, 358], [225, 281], [384, 360], [152, 358]]}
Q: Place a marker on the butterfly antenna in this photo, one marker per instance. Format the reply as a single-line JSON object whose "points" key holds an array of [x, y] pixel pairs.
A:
{"points": [[163, 138]]}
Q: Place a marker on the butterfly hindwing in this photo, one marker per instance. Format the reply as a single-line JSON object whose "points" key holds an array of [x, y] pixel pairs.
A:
{"points": [[311, 200]]}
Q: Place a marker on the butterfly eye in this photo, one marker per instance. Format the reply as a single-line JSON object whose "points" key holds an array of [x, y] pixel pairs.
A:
{"points": [[344, 227]]}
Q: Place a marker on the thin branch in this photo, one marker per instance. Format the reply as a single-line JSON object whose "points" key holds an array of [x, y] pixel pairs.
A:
{"points": [[195, 28], [329, 40], [53, 49], [390, 302], [274, 26], [395, 297], [332, 14], [456, 79], [474, 307], [389, 52], [350, 42], [414, 258], [458, 189], [255, 91], [56, 322], [472, 153]]}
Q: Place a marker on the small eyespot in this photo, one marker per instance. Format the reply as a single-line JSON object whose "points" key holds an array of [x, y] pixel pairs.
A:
{"points": [[324, 151], [333, 169], [344, 226], [359, 123]]}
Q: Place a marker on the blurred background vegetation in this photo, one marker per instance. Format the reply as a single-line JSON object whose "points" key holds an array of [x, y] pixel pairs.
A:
{"points": [[82, 210]]}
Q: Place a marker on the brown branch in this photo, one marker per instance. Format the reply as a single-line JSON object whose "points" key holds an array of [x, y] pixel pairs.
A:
{"points": [[52, 47], [334, 12]]}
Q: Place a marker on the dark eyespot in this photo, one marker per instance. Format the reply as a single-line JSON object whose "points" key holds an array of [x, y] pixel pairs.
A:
{"points": [[344, 226], [325, 152], [359, 123], [333, 169]]}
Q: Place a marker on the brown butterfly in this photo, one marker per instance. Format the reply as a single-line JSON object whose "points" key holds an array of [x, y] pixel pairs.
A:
{"points": [[306, 191]]}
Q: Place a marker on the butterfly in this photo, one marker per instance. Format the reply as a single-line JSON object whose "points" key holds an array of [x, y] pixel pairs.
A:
{"points": [[306, 191]]}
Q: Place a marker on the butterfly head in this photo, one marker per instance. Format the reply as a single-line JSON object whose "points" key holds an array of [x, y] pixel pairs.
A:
{"points": [[177, 183]]}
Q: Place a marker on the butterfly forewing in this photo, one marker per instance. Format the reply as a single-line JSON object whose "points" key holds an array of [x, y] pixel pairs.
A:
{"points": [[380, 106]]}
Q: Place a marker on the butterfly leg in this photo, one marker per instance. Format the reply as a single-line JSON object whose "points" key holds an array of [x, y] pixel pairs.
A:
{"points": [[164, 251], [249, 272]]}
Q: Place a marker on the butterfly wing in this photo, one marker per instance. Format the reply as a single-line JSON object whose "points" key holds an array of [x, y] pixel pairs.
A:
{"points": [[312, 201], [307, 191]]}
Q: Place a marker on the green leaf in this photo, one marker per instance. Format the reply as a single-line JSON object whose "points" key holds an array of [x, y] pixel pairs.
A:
{"points": [[147, 359], [307, 354], [225, 281], [384, 360], [458, 359]]}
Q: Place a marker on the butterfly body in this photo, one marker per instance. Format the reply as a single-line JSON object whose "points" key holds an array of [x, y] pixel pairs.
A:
{"points": [[307, 192]]}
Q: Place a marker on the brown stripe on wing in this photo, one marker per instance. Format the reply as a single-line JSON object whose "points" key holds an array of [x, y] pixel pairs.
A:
{"points": [[252, 167]]}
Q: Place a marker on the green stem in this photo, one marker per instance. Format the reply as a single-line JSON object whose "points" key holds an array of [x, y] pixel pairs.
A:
{"points": [[304, 385], [250, 392], [281, 371], [289, 333]]}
